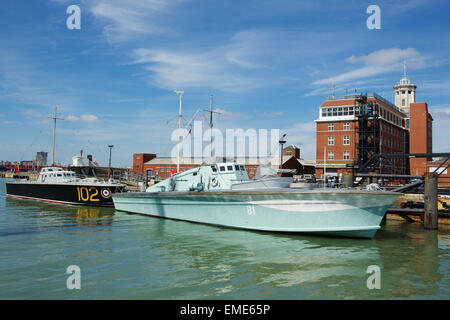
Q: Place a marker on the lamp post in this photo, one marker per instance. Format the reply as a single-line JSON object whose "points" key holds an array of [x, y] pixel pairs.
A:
{"points": [[282, 142], [109, 165]]}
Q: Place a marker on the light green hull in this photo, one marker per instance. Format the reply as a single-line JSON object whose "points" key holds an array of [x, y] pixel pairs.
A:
{"points": [[331, 212]]}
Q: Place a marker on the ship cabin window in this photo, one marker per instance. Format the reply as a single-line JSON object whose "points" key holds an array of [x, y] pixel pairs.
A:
{"points": [[59, 175], [222, 168], [229, 168], [214, 168], [236, 167], [242, 167]]}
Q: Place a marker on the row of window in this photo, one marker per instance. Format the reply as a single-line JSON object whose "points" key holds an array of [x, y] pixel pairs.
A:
{"points": [[341, 111], [346, 126], [60, 174], [356, 110], [345, 156], [346, 140]]}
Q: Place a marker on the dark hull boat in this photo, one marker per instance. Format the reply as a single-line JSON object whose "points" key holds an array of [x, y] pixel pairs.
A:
{"points": [[74, 194], [56, 185]]}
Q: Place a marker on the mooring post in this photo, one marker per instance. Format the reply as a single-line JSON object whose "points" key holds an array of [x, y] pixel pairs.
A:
{"points": [[430, 219], [347, 179]]}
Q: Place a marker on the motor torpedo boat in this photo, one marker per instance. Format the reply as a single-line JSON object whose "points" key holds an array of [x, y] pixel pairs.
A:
{"points": [[222, 194]]}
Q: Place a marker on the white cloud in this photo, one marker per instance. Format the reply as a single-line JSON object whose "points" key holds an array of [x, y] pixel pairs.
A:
{"points": [[188, 70], [385, 57], [128, 19], [239, 64], [83, 118], [377, 63]]}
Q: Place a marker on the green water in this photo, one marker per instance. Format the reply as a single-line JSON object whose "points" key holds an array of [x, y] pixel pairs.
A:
{"points": [[124, 256]]}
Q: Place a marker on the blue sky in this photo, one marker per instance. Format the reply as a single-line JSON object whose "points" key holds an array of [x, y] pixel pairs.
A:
{"points": [[269, 64]]}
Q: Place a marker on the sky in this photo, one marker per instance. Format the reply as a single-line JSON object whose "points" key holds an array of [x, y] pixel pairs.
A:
{"points": [[268, 64]]}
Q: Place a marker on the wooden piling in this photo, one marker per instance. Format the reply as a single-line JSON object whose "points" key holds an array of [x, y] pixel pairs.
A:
{"points": [[430, 219], [347, 179]]}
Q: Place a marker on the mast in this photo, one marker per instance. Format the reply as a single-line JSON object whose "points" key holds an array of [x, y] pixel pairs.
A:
{"points": [[210, 123], [54, 118], [211, 111], [180, 93]]}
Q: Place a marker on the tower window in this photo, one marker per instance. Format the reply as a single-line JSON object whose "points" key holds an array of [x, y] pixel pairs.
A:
{"points": [[403, 102], [403, 91]]}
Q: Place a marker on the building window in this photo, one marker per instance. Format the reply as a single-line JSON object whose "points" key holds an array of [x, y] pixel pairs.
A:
{"points": [[346, 125], [346, 155], [331, 140], [346, 140], [331, 127], [138, 157], [324, 112], [330, 155], [409, 91], [403, 102], [403, 91]]}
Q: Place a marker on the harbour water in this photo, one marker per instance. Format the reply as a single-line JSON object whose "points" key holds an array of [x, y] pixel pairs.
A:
{"points": [[125, 256]]}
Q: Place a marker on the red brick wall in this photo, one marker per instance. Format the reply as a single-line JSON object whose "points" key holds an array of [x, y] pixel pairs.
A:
{"points": [[338, 148], [420, 124], [139, 159]]}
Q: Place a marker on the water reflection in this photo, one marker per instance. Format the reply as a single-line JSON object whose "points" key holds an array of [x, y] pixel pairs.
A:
{"points": [[297, 266], [46, 215], [228, 260], [412, 259]]}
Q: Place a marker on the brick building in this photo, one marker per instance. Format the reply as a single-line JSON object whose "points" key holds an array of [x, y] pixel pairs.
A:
{"points": [[350, 130], [420, 137], [138, 161]]}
